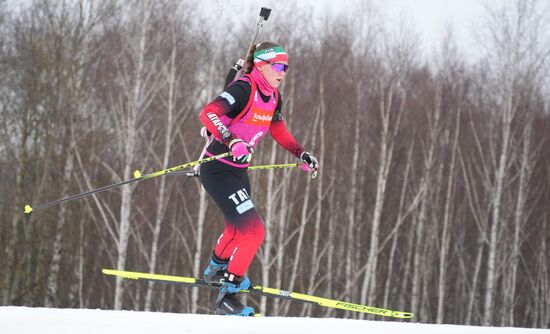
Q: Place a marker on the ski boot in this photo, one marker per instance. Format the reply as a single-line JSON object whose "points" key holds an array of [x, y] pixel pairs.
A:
{"points": [[227, 303], [215, 270]]}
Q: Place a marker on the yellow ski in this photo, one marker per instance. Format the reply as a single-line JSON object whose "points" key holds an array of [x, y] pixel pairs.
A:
{"points": [[265, 291]]}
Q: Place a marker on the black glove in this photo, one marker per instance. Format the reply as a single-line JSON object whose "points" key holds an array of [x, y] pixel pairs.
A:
{"points": [[311, 163]]}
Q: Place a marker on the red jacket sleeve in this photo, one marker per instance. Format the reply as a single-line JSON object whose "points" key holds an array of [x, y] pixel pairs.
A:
{"points": [[210, 118], [281, 135]]}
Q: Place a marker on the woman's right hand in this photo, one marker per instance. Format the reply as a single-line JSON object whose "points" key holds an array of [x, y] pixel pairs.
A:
{"points": [[240, 150]]}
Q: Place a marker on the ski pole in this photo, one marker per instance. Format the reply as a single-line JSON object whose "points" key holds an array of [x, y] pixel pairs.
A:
{"points": [[264, 15], [291, 165], [297, 164], [137, 177]]}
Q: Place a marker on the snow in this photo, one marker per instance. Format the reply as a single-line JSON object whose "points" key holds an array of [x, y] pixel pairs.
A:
{"points": [[26, 320]]}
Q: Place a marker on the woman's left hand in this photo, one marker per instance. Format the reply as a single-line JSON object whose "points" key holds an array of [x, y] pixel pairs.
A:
{"points": [[310, 164]]}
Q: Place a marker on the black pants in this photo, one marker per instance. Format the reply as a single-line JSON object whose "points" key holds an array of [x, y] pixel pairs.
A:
{"points": [[244, 232]]}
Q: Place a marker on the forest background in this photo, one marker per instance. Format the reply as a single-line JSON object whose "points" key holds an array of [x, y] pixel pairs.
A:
{"points": [[432, 197]]}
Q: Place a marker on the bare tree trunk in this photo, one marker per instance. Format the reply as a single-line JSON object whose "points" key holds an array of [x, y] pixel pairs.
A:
{"points": [[524, 175], [52, 280], [162, 195], [203, 205], [542, 285], [445, 236], [514, 33], [480, 217], [407, 272], [124, 235], [421, 244], [315, 257], [284, 216], [203, 202], [298, 251], [332, 221], [285, 213], [268, 221], [400, 218], [11, 278], [352, 198], [387, 140], [70, 93], [80, 268], [501, 172], [369, 283], [282, 227], [304, 217], [135, 106]]}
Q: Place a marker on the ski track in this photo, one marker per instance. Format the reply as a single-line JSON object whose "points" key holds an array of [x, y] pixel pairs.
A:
{"points": [[27, 320]]}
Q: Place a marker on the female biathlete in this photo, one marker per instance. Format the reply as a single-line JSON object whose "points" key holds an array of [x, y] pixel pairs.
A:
{"points": [[237, 119]]}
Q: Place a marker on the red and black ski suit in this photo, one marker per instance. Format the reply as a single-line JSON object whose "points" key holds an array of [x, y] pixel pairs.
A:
{"points": [[247, 114]]}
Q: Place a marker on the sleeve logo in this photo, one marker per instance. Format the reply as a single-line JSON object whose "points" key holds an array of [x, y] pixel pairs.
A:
{"points": [[228, 97]]}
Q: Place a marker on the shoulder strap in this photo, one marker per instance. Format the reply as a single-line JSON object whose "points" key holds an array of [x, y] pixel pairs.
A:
{"points": [[253, 90]]}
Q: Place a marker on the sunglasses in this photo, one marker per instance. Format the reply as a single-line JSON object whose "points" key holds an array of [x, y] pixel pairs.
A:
{"points": [[278, 67]]}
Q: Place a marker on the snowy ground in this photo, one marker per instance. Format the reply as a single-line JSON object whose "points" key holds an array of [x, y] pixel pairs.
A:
{"points": [[24, 320]]}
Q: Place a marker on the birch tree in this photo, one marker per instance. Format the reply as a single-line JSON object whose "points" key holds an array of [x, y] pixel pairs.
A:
{"points": [[171, 76], [514, 35], [448, 68], [316, 254], [426, 184], [26, 136], [67, 69], [139, 86]]}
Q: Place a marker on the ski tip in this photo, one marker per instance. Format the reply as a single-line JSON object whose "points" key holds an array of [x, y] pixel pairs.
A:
{"points": [[137, 174], [402, 315], [28, 209]]}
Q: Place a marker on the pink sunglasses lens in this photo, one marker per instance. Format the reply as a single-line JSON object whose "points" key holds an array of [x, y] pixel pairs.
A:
{"points": [[280, 67]]}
